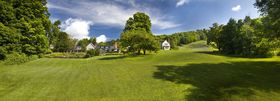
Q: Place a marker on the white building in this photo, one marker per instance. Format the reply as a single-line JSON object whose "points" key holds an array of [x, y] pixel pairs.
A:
{"points": [[78, 48], [51, 46], [90, 47], [165, 45]]}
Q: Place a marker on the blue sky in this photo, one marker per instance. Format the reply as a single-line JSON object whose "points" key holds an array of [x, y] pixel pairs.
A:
{"points": [[105, 19]]}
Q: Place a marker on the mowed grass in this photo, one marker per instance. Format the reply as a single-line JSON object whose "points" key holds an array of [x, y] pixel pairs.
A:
{"points": [[191, 73]]}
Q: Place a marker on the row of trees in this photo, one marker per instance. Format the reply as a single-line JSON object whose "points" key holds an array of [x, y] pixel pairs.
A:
{"points": [[250, 37], [246, 37], [58, 40], [61, 41]]}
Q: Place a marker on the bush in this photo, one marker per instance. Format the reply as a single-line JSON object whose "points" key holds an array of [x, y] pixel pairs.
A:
{"points": [[175, 48], [18, 58], [92, 53]]}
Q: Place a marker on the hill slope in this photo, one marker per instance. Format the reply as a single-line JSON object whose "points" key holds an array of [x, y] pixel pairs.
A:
{"points": [[190, 73]]}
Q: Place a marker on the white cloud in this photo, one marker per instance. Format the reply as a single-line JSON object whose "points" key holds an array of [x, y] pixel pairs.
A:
{"points": [[77, 28], [182, 2], [163, 24], [101, 38], [112, 14], [236, 8], [130, 2]]}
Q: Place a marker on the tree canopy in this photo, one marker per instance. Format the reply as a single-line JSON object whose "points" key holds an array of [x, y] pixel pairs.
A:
{"points": [[137, 35], [271, 9], [243, 37], [24, 25], [138, 22]]}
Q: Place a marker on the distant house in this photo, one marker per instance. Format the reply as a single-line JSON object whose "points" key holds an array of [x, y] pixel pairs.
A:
{"points": [[78, 48], [90, 47], [165, 45], [51, 46], [107, 48], [116, 48]]}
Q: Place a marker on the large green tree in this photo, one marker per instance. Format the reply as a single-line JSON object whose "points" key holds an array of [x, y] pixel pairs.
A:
{"points": [[139, 21], [9, 41], [138, 40], [28, 18], [137, 34], [228, 35], [214, 34], [271, 9]]}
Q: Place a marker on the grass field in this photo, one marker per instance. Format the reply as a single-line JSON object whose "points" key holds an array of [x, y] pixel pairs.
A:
{"points": [[191, 73]]}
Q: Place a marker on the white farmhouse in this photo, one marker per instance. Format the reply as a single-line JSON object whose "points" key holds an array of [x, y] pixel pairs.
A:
{"points": [[78, 48], [90, 47], [165, 45]]}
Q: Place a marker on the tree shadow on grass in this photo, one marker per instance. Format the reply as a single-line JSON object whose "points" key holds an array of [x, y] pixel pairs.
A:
{"points": [[217, 53], [122, 57], [218, 82]]}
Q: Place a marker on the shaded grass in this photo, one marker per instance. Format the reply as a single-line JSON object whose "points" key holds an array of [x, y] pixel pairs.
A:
{"points": [[226, 81]]}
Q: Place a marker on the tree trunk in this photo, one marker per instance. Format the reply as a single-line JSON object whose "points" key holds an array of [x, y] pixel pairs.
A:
{"points": [[139, 52], [144, 52]]}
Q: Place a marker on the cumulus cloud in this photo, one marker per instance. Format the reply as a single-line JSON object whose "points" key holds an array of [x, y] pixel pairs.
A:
{"points": [[163, 24], [77, 28], [113, 14], [236, 8], [130, 2], [181, 2], [101, 38]]}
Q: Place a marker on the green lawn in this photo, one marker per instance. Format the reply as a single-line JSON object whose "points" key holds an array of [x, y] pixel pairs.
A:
{"points": [[190, 73]]}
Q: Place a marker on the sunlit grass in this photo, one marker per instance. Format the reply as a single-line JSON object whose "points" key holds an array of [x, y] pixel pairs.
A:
{"points": [[189, 73]]}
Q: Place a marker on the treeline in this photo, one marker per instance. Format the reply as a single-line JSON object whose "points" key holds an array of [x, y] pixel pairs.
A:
{"points": [[26, 32], [242, 37], [247, 37], [61, 41], [182, 38]]}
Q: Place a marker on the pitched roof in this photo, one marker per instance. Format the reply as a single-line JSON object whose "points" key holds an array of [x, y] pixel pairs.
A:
{"points": [[165, 43]]}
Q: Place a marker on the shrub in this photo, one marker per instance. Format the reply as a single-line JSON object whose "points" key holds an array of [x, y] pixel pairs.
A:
{"points": [[175, 48], [91, 53], [18, 58], [33, 57]]}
